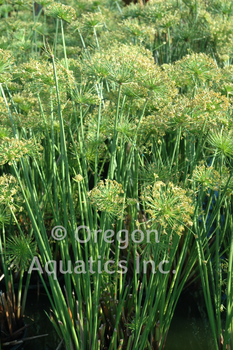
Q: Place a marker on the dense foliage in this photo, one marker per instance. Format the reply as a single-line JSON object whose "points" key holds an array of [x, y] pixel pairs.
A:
{"points": [[117, 119]]}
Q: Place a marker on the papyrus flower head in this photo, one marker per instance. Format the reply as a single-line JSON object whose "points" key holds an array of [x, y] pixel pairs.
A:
{"points": [[61, 11], [108, 197], [207, 177], [19, 251], [9, 190], [6, 61], [169, 206], [12, 149]]}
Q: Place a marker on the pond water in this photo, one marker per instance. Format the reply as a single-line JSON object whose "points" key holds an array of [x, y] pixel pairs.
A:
{"points": [[189, 328], [40, 324]]}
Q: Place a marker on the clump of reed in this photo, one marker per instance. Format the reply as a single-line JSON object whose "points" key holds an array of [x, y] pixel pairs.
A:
{"points": [[118, 118]]}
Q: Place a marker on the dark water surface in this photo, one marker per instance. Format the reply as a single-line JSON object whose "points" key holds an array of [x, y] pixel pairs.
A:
{"points": [[189, 328], [40, 323]]}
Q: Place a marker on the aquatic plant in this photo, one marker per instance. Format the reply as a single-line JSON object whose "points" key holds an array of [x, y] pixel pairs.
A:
{"points": [[115, 121]]}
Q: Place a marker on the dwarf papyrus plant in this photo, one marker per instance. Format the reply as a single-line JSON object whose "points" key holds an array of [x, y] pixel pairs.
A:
{"points": [[213, 235], [104, 98]]}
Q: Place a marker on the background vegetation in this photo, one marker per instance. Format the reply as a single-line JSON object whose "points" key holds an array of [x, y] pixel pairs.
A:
{"points": [[117, 118]]}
